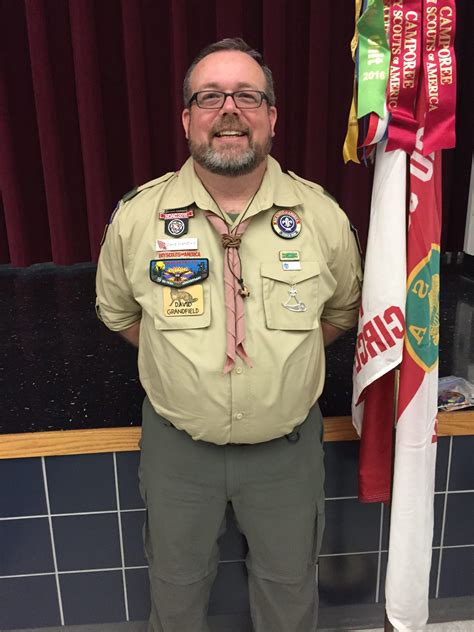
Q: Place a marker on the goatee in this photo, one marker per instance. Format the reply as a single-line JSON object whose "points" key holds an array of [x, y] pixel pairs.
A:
{"points": [[229, 161]]}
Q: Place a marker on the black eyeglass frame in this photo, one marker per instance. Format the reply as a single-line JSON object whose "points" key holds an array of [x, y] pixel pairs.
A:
{"points": [[263, 97]]}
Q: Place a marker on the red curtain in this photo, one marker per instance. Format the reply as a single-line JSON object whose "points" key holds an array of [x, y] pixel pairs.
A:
{"points": [[90, 94]]}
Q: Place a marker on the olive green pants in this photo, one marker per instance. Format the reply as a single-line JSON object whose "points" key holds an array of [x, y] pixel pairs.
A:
{"points": [[276, 490]]}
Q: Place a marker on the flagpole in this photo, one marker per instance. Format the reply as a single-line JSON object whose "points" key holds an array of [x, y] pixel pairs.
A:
{"points": [[388, 627]]}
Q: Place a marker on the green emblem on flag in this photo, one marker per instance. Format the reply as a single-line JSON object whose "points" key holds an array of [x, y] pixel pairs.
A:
{"points": [[422, 311]]}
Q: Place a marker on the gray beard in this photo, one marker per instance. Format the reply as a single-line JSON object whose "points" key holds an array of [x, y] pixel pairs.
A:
{"points": [[226, 163]]}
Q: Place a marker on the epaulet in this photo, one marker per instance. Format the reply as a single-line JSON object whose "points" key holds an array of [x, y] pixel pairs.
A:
{"points": [[355, 232], [136, 190], [311, 185], [131, 194]]}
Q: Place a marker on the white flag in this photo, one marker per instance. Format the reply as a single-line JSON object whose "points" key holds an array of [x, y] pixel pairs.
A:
{"points": [[381, 329], [381, 322], [411, 523]]}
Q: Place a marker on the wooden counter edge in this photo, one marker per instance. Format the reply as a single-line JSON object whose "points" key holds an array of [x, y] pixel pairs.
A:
{"points": [[92, 441]]}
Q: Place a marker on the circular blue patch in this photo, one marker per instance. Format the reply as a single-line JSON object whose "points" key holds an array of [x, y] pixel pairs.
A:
{"points": [[286, 224]]}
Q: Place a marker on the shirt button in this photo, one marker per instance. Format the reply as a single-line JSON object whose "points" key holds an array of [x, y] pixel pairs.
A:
{"points": [[238, 370], [239, 416]]}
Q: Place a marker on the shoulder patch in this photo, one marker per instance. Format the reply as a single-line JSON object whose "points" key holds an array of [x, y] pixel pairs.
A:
{"points": [[111, 219], [151, 183], [130, 194], [312, 185], [114, 212], [355, 232]]}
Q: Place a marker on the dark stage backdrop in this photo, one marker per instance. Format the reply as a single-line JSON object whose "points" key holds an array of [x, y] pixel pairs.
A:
{"points": [[91, 98]]}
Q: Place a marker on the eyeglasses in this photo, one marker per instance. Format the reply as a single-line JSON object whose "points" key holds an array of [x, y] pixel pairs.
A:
{"points": [[214, 99]]}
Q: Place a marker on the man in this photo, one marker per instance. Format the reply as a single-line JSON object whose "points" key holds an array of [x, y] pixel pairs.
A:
{"points": [[230, 277]]}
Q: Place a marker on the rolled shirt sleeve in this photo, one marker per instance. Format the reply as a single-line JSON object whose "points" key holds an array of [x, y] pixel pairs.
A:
{"points": [[116, 306], [341, 310]]}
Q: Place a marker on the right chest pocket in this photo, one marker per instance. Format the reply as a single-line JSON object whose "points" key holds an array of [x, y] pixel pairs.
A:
{"points": [[186, 308], [284, 290]]}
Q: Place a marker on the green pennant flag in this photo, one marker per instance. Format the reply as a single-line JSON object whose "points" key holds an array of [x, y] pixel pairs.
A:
{"points": [[374, 60]]}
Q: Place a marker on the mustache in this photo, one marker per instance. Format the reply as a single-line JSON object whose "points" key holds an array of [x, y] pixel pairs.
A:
{"points": [[228, 126]]}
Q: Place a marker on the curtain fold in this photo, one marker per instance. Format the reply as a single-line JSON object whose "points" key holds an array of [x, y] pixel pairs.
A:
{"points": [[316, 105], [92, 124], [135, 71], [91, 100], [68, 239], [274, 47], [180, 19], [21, 177]]}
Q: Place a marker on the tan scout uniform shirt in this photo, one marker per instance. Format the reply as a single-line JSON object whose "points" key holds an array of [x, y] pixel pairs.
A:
{"points": [[181, 358]]}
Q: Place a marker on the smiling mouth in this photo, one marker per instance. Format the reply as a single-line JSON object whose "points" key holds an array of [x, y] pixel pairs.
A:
{"points": [[229, 134]]}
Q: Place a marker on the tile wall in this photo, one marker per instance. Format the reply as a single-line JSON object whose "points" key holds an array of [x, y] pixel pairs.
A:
{"points": [[71, 553]]}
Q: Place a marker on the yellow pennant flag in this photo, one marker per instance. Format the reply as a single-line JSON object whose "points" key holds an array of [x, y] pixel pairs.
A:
{"points": [[349, 151]]}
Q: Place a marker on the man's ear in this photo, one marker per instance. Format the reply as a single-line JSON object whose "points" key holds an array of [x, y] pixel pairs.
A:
{"points": [[273, 114], [185, 117]]}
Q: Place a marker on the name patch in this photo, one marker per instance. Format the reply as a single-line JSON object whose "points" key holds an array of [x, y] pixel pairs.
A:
{"points": [[191, 243], [180, 302]]}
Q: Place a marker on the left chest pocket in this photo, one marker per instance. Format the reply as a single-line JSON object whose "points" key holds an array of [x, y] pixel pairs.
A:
{"points": [[290, 297]]}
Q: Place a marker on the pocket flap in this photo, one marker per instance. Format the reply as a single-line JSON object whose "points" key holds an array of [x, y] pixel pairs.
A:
{"points": [[273, 270]]}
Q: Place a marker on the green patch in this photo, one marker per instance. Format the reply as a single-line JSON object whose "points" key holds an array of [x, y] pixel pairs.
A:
{"points": [[289, 255]]}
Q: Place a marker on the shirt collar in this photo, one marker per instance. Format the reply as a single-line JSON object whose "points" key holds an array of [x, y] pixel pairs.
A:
{"points": [[275, 190]]}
